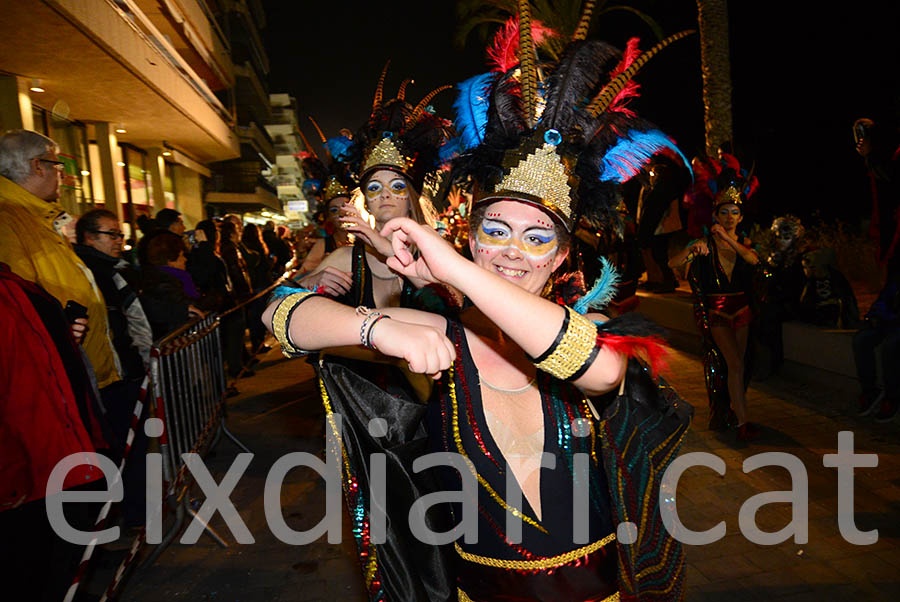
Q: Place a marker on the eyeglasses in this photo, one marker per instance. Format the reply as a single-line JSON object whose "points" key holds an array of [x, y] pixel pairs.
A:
{"points": [[59, 165], [111, 233]]}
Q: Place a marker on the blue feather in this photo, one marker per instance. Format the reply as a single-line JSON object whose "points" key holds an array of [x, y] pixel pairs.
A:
{"points": [[339, 147], [603, 291], [632, 152], [284, 290], [471, 109]]}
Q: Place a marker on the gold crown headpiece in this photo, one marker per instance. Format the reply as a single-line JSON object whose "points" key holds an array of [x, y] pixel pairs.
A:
{"points": [[538, 173], [333, 189]]}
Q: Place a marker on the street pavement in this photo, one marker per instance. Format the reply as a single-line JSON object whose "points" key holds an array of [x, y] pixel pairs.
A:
{"points": [[279, 411]]}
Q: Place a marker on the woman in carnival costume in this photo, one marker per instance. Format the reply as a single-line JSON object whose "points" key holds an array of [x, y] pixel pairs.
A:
{"points": [[721, 274], [519, 376], [330, 185], [394, 153]]}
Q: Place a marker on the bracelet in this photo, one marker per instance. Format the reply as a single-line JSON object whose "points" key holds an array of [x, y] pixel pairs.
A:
{"points": [[282, 318], [371, 317], [574, 349], [377, 319]]}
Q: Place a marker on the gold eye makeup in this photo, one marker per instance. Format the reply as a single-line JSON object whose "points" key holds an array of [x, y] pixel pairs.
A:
{"points": [[495, 236]]}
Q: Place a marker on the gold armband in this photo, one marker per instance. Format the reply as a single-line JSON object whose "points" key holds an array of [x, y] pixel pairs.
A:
{"points": [[281, 322], [574, 349]]}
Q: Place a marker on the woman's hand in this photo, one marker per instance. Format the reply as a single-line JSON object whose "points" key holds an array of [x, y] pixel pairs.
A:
{"points": [[437, 261], [354, 222], [699, 248], [335, 282], [79, 329], [426, 349], [719, 232]]}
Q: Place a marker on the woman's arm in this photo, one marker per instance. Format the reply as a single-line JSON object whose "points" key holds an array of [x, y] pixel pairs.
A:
{"points": [[333, 273], [687, 254], [318, 323], [531, 321]]}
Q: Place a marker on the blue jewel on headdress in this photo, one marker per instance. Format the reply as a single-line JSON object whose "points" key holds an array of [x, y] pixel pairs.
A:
{"points": [[552, 137], [430, 109], [387, 134]]}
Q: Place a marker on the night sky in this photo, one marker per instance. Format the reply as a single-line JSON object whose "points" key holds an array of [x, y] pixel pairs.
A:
{"points": [[802, 72]]}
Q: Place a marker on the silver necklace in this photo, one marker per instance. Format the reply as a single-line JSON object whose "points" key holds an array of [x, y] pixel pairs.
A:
{"points": [[517, 391]]}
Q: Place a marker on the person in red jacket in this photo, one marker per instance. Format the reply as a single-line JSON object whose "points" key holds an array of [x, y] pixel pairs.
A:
{"points": [[47, 412]]}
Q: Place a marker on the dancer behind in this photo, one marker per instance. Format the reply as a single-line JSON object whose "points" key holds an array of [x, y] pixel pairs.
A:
{"points": [[519, 375], [329, 184], [721, 278], [336, 196], [397, 147]]}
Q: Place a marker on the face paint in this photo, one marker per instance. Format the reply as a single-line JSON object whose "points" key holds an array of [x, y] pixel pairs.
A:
{"points": [[397, 187], [495, 236]]}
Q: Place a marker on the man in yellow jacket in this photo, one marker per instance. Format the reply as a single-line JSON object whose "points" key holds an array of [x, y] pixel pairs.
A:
{"points": [[32, 243]]}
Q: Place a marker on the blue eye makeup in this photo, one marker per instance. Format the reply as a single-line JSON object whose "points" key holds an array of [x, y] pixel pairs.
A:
{"points": [[398, 185]]}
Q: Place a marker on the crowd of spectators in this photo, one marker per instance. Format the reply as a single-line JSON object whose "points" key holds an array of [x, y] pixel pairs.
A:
{"points": [[79, 321]]}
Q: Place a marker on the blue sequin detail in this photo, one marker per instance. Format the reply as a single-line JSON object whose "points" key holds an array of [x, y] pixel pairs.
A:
{"points": [[552, 137]]}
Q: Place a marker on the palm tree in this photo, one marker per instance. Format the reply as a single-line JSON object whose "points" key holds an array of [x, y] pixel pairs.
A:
{"points": [[562, 16], [712, 16]]}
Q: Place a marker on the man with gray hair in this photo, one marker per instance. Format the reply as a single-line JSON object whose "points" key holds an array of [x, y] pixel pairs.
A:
{"points": [[32, 244]]}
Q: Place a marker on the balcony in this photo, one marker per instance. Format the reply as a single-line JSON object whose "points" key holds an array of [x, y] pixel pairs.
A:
{"points": [[193, 31], [111, 64], [251, 95], [256, 138]]}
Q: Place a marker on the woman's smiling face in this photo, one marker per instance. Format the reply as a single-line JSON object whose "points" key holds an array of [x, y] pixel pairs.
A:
{"points": [[387, 195], [518, 242]]}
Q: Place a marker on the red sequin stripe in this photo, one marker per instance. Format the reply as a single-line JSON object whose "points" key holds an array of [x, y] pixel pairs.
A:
{"points": [[470, 412], [516, 547], [651, 349]]}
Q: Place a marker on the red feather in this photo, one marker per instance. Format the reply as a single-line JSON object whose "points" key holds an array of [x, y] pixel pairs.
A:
{"points": [[503, 53], [632, 88], [651, 349]]}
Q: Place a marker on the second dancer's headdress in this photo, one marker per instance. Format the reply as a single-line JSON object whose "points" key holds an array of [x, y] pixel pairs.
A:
{"points": [[401, 137]]}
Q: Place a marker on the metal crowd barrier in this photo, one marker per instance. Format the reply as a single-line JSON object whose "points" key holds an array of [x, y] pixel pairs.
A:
{"points": [[188, 385]]}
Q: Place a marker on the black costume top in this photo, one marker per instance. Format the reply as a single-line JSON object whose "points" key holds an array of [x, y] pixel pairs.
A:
{"points": [[547, 564]]}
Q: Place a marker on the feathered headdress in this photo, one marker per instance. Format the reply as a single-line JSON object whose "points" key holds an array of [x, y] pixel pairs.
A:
{"points": [[401, 137], [563, 144], [330, 178], [734, 185]]}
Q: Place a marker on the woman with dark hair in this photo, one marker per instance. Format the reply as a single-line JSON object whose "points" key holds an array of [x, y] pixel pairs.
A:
{"points": [[259, 264], [721, 278], [230, 250], [168, 293], [207, 267]]}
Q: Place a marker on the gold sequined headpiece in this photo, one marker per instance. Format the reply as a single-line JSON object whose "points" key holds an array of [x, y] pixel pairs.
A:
{"points": [[730, 196], [539, 174], [333, 189], [386, 154]]}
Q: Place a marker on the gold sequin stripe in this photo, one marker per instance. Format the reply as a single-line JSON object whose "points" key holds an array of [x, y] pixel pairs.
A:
{"points": [[575, 345], [535, 565], [457, 438], [464, 598], [282, 317]]}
